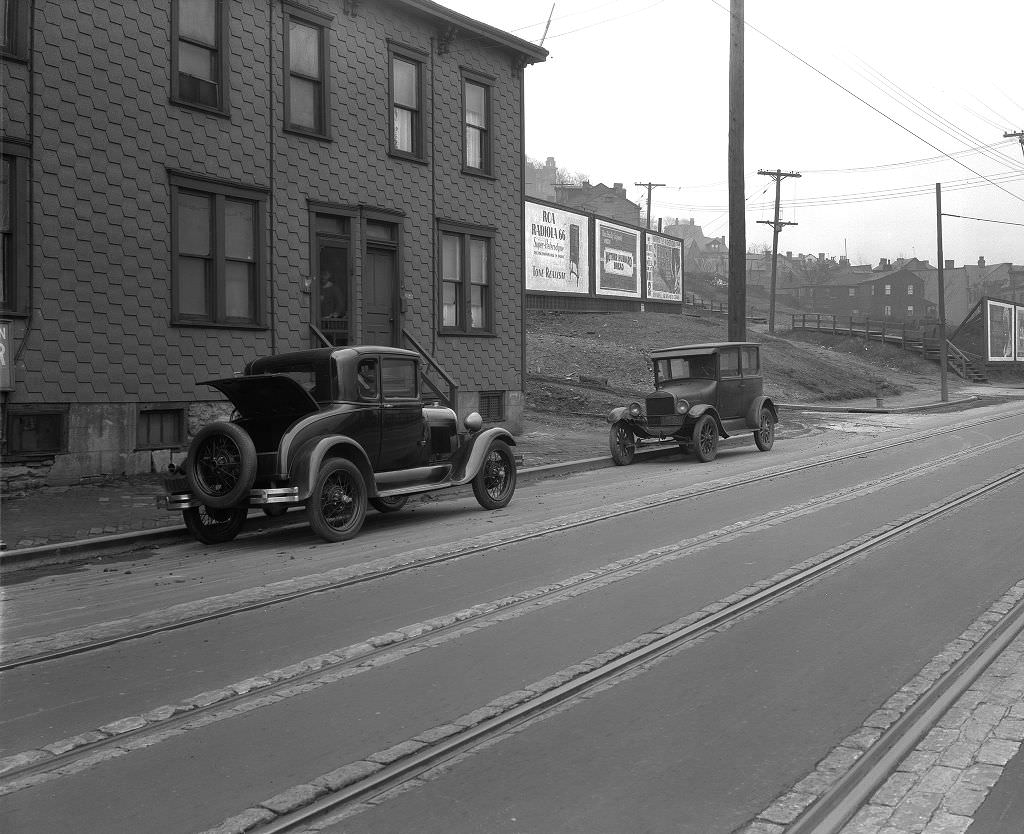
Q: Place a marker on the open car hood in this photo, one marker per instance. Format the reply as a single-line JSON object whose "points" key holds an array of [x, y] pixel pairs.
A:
{"points": [[266, 395]]}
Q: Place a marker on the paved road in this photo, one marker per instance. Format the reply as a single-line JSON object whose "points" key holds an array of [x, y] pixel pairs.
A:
{"points": [[702, 740]]}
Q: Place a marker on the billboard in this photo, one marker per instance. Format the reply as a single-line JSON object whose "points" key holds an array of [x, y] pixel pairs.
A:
{"points": [[1020, 333], [664, 267], [557, 250], [618, 259], [999, 329]]}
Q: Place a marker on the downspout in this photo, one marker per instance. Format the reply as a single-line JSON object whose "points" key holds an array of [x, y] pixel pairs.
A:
{"points": [[272, 203], [522, 233], [433, 214], [30, 266]]}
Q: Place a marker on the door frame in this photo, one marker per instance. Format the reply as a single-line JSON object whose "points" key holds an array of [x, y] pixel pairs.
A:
{"points": [[394, 245]]}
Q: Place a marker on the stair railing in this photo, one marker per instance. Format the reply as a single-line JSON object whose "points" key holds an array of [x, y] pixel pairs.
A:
{"points": [[448, 397]]}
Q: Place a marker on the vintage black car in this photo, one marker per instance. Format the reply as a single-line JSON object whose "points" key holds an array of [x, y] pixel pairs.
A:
{"points": [[703, 392], [333, 429]]}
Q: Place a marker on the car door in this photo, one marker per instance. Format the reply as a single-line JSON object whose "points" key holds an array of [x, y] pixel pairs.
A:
{"points": [[363, 424], [402, 426], [753, 380], [731, 391]]}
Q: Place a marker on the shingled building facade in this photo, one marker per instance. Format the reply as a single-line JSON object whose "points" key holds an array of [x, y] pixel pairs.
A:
{"points": [[190, 184]]}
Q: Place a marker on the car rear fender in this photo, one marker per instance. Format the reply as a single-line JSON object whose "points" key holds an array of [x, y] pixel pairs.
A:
{"points": [[699, 411], [754, 412], [306, 463], [470, 458]]}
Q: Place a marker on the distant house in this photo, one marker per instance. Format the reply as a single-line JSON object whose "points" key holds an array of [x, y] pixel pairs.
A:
{"points": [[599, 199], [896, 296], [701, 254]]}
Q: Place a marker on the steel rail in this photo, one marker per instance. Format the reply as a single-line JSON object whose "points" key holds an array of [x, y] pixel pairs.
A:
{"points": [[501, 608], [419, 762], [461, 552]]}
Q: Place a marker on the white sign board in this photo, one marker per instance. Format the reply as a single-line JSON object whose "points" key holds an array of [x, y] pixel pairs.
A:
{"points": [[557, 250], [664, 268], [999, 331], [618, 259]]}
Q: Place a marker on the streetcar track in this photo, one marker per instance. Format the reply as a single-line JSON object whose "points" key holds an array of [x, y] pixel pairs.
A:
{"points": [[388, 770], [83, 640], [21, 770]]}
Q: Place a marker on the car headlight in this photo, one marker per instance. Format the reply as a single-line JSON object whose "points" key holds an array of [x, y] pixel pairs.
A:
{"points": [[635, 410], [682, 407]]}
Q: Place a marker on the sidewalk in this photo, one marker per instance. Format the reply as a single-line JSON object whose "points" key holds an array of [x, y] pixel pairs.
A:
{"points": [[60, 515]]}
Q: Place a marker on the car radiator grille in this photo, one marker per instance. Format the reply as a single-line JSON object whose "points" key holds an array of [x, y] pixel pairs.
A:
{"points": [[661, 406]]}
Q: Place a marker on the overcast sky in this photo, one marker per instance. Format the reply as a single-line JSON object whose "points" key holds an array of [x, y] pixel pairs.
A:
{"points": [[637, 91]]}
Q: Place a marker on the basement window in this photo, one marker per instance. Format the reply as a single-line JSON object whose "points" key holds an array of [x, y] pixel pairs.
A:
{"points": [[35, 432], [492, 406]]}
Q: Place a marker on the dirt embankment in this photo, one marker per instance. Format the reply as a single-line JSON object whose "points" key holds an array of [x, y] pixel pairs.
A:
{"points": [[586, 363]]}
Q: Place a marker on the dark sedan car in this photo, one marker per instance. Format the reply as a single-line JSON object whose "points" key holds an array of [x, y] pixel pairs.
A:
{"points": [[333, 429], [702, 393]]}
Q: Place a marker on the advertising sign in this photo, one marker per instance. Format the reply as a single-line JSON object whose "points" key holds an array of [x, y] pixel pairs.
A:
{"points": [[618, 260], [557, 250], [664, 268], [1020, 333], [6, 378], [1000, 331]]}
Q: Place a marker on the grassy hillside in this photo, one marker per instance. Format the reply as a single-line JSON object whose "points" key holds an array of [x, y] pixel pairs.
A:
{"points": [[585, 363]]}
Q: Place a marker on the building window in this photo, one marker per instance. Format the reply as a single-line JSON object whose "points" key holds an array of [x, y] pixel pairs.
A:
{"points": [[910, 310], [852, 292], [217, 246], [888, 310], [466, 302], [306, 85], [36, 432], [888, 289], [14, 26], [199, 57], [910, 289], [406, 106], [14, 227], [477, 121], [160, 428], [492, 406]]}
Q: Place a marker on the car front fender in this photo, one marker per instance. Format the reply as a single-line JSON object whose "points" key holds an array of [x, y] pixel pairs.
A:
{"points": [[470, 458], [619, 413], [699, 411], [306, 462], [754, 412]]}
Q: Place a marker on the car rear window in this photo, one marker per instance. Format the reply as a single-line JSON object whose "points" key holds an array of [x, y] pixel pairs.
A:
{"points": [[730, 361], [751, 365]]}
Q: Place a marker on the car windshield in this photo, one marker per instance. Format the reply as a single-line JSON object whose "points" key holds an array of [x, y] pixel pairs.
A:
{"points": [[685, 367]]}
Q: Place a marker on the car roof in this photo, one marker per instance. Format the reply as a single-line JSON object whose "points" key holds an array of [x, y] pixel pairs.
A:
{"points": [[707, 347], [346, 350]]}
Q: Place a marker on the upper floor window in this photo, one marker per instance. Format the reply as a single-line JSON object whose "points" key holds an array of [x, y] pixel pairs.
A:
{"points": [[199, 59], [852, 292], [14, 228], [888, 310], [216, 270], [910, 289], [466, 270], [14, 26], [888, 289], [306, 85], [477, 120], [406, 106]]}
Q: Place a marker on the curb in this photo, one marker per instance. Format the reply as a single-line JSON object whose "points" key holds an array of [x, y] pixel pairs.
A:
{"points": [[869, 410], [58, 552]]}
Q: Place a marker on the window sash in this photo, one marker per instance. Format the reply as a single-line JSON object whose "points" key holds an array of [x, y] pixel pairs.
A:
{"points": [[476, 118], [199, 52], [306, 79], [465, 282], [216, 276]]}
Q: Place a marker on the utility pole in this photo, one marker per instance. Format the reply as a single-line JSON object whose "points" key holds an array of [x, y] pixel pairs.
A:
{"points": [[776, 225], [737, 202], [1016, 135], [943, 357], [650, 186]]}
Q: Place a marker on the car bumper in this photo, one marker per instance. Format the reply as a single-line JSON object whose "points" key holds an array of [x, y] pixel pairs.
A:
{"points": [[178, 501]]}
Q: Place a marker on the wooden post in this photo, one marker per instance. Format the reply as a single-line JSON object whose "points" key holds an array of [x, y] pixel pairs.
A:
{"points": [[737, 199], [851, 325], [833, 325]]}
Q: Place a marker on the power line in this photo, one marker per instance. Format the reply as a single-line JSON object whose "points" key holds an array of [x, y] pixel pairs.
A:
{"points": [[983, 219]]}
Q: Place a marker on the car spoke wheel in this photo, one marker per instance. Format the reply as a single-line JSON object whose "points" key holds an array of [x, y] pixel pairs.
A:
{"points": [[337, 506], [390, 504], [764, 437], [705, 439], [214, 526], [622, 443], [496, 481], [221, 465]]}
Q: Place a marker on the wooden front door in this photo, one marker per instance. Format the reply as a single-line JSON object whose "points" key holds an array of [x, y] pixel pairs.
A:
{"points": [[380, 278]]}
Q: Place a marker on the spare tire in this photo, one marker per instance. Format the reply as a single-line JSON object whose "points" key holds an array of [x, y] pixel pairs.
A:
{"points": [[221, 465]]}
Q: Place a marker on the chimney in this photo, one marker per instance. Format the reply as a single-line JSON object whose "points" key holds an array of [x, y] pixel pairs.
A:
{"points": [[550, 163], [981, 261], [821, 256], [948, 263], [691, 221], [789, 253]]}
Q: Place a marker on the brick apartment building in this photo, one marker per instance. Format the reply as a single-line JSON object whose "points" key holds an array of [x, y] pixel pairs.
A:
{"points": [[189, 184]]}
